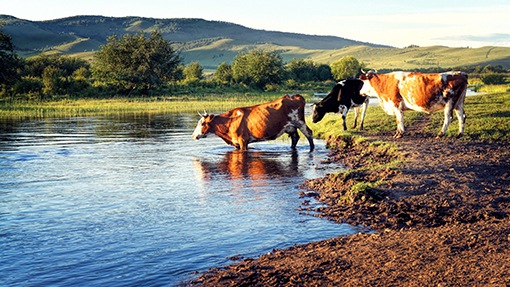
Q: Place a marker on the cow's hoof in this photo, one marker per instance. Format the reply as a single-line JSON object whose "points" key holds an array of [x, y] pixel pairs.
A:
{"points": [[440, 135], [459, 136]]}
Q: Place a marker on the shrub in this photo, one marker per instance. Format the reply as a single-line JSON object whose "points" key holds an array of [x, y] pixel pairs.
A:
{"points": [[493, 79]]}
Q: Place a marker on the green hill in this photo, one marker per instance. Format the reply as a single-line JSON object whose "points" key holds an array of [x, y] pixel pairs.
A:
{"points": [[214, 42]]}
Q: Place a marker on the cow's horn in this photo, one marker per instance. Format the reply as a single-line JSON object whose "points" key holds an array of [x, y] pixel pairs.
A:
{"points": [[204, 115], [363, 71]]}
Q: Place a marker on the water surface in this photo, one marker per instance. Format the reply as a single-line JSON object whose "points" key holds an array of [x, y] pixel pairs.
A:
{"points": [[134, 200]]}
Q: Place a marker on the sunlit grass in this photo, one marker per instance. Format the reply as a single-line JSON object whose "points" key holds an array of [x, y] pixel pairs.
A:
{"points": [[90, 107], [488, 118], [376, 121]]}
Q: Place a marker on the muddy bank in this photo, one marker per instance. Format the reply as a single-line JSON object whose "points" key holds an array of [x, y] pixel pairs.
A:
{"points": [[440, 209]]}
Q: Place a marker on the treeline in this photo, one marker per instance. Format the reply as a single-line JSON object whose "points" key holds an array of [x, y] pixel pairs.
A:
{"points": [[147, 65]]}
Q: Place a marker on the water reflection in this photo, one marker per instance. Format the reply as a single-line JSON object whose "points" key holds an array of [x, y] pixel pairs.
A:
{"points": [[258, 165]]}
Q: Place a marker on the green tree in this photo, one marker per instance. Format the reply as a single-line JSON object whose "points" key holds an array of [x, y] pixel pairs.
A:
{"points": [[302, 70], [9, 61], [323, 73], [347, 67], [52, 80], [193, 71], [493, 79], [223, 73], [136, 61], [258, 68]]}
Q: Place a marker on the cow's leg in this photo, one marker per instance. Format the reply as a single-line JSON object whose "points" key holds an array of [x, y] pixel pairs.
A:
{"points": [[399, 115], [356, 112], [365, 106], [243, 143], [461, 114], [307, 132], [344, 110], [448, 110], [295, 138]]}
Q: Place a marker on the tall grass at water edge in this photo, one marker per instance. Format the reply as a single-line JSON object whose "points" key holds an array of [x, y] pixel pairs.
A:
{"points": [[90, 107]]}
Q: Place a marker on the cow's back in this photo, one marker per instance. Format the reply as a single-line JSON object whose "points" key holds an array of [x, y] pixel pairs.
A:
{"points": [[268, 119], [431, 92]]}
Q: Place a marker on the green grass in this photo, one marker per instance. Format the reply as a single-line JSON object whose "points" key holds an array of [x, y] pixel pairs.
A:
{"points": [[90, 107], [488, 118], [376, 121]]}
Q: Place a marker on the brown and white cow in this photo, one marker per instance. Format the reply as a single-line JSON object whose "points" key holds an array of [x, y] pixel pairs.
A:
{"points": [[263, 122], [401, 91]]}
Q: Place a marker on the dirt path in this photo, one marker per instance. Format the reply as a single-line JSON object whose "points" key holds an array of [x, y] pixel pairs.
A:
{"points": [[442, 219]]}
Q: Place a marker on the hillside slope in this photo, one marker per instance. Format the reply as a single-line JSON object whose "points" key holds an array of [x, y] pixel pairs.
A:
{"points": [[213, 42], [99, 28]]}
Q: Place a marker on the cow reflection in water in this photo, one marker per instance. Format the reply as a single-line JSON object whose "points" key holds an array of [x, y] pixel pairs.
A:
{"points": [[259, 167]]}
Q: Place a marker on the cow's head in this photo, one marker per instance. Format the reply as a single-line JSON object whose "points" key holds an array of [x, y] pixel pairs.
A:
{"points": [[203, 126], [367, 89], [318, 112], [328, 103]]}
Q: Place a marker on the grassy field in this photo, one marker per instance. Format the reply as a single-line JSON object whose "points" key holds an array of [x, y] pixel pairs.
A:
{"points": [[90, 107], [488, 118]]}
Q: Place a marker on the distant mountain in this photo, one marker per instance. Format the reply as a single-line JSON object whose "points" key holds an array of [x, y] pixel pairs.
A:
{"points": [[213, 42], [36, 35]]}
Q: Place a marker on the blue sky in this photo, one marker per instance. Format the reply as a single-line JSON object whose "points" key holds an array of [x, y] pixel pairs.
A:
{"points": [[396, 23]]}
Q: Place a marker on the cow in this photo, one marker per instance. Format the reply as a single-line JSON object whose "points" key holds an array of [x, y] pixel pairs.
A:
{"points": [[401, 91], [263, 122], [344, 95]]}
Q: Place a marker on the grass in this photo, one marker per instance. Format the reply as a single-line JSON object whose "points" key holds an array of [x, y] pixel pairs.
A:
{"points": [[90, 107], [376, 121], [488, 118]]}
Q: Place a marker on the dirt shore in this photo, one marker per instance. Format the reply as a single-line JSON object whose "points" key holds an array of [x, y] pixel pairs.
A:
{"points": [[441, 218]]}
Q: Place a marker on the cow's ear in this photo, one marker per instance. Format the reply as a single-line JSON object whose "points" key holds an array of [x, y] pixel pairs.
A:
{"points": [[211, 117]]}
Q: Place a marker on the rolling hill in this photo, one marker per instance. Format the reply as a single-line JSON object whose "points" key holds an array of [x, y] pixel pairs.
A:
{"points": [[214, 42]]}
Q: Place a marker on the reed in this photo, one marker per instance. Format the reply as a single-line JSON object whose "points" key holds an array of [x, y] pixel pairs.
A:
{"points": [[90, 107]]}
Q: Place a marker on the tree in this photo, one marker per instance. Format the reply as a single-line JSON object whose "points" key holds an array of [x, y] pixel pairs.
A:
{"points": [[223, 73], [323, 73], [136, 61], [258, 68], [8, 60], [493, 79], [52, 80], [302, 70], [347, 67], [193, 71]]}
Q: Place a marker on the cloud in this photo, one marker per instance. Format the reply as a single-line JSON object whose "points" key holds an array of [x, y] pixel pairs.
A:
{"points": [[497, 38]]}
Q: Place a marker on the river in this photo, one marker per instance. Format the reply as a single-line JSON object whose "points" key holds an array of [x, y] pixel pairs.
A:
{"points": [[133, 200]]}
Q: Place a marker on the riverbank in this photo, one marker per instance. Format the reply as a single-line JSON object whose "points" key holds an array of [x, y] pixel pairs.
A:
{"points": [[441, 218]]}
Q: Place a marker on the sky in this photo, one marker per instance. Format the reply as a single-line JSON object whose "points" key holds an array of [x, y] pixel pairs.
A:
{"points": [[452, 23]]}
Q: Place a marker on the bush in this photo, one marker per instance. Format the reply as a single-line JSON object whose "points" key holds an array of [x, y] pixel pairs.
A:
{"points": [[493, 79]]}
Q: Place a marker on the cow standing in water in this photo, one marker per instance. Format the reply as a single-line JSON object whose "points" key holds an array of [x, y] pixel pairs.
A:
{"points": [[401, 91], [263, 122], [342, 97]]}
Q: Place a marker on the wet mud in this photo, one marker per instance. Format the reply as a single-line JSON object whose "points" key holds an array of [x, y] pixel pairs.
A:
{"points": [[438, 211]]}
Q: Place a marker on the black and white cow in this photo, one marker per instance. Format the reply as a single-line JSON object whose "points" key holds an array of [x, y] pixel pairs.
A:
{"points": [[344, 95]]}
